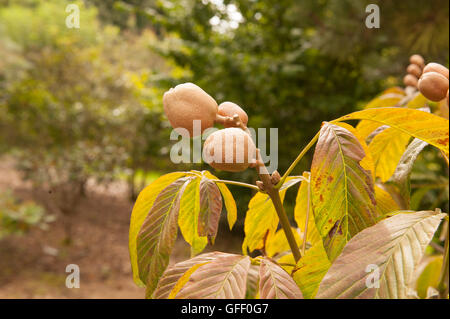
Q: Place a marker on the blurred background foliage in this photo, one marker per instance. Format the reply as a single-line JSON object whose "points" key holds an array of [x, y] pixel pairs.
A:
{"points": [[85, 103]]}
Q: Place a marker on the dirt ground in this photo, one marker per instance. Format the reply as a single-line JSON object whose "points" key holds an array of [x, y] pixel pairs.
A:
{"points": [[34, 265]]}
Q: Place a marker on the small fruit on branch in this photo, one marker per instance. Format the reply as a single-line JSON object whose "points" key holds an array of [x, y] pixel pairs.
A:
{"points": [[229, 109], [436, 67], [433, 86], [417, 60], [187, 103], [230, 149], [410, 80], [414, 70]]}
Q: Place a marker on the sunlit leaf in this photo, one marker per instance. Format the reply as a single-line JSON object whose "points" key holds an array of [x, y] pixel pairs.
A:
{"points": [[419, 124], [261, 221], [278, 243], [379, 262], [387, 148], [141, 209], [173, 273], [385, 203], [311, 269], [342, 191], [225, 277], [276, 283], [386, 99], [188, 217], [210, 209], [184, 279], [300, 211], [158, 233]]}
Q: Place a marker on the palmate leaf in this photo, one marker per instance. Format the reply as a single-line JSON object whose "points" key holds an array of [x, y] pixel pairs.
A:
{"points": [[386, 149], [225, 277], [419, 124], [173, 273], [141, 209], [158, 233], [394, 245], [342, 191], [276, 283], [210, 209], [188, 217]]}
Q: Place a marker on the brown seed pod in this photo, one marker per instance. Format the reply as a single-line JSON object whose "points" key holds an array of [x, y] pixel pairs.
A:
{"points": [[415, 70], [410, 80], [436, 67], [230, 109], [433, 86], [186, 103], [417, 60], [230, 149]]}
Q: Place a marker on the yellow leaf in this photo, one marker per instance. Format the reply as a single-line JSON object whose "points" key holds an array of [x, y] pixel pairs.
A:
{"points": [[387, 148], [385, 203], [311, 269], [365, 128], [278, 243], [188, 217], [141, 209], [422, 125], [386, 99], [300, 211], [261, 221]]}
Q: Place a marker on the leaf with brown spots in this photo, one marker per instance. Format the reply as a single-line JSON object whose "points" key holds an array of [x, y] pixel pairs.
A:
{"points": [[344, 204]]}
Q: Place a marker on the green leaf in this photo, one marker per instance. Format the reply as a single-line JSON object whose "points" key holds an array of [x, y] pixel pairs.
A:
{"points": [[158, 234], [210, 209], [230, 204], [173, 273], [342, 191], [429, 277], [141, 208], [276, 283], [419, 124], [188, 217], [387, 148], [393, 247], [311, 269], [225, 277]]}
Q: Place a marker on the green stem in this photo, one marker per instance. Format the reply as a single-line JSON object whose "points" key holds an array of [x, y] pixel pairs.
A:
{"points": [[443, 278], [297, 160], [236, 183]]}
